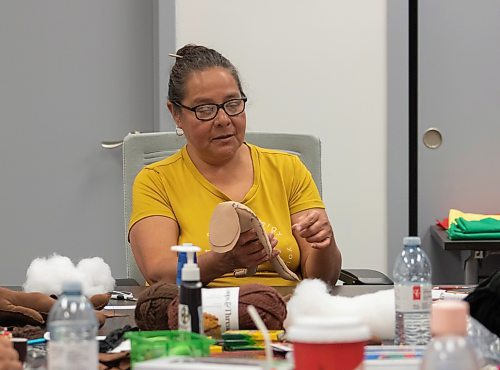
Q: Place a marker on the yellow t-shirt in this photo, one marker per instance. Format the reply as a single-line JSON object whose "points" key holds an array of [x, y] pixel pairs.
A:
{"points": [[173, 187]]}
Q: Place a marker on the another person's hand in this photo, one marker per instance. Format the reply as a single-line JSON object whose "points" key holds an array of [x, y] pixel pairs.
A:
{"points": [[9, 359], [315, 228], [249, 251]]}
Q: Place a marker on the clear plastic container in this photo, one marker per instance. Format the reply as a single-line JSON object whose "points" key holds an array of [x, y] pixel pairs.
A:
{"points": [[450, 352], [449, 348], [147, 345], [73, 325], [413, 294], [486, 343]]}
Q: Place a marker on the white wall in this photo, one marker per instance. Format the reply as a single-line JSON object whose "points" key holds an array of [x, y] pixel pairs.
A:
{"points": [[315, 67]]}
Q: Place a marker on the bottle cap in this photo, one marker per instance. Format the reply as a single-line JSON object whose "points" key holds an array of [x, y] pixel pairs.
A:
{"points": [[449, 317], [190, 270], [72, 286], [411, 241]]}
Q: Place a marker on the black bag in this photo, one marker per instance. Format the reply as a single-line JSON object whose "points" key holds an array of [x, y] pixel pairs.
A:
{"points": [[484, 303]]}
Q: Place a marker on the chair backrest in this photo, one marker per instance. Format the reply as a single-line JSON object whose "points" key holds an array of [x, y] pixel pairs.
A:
{"points": [[141, 149]]}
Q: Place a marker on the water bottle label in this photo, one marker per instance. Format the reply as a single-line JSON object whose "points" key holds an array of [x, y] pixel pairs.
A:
{"points": [[413, 298], [184, 318], [72, 355]]}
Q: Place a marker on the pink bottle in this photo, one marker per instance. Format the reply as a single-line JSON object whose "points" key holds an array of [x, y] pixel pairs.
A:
{"points": [[449, 348]]}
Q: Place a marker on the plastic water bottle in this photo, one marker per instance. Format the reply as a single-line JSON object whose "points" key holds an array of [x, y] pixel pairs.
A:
{"points": [[413, 295], [449, 348], [72, 324]]}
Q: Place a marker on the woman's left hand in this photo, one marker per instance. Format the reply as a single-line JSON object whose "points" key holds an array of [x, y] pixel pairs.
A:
{"points": [[314, 226]]}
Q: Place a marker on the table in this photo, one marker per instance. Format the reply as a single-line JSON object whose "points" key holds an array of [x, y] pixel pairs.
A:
{"points": [[114, 323], [476, 248], [119, 322]]}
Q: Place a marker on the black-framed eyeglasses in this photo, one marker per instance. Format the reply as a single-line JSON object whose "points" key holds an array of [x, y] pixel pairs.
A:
{"points": [[207, 112]]}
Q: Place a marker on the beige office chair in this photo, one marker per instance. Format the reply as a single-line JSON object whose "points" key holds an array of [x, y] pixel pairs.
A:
{"points": [[140, 149]]}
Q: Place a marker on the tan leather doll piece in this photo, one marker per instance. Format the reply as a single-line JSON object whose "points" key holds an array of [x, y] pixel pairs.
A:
{"points": [[99, 301], [228, 220], [32, 308], [22, 307]]}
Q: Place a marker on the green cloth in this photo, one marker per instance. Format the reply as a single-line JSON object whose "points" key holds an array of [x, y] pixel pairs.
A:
{"points": [[486, 228]]}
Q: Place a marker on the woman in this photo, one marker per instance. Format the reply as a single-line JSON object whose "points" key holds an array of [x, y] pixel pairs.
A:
{"points": [[173, 199]]}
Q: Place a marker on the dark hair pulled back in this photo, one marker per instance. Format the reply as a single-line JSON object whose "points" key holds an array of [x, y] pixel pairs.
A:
{"points": [[192, 58]]}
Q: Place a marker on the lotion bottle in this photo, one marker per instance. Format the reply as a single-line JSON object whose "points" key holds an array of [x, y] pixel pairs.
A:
{"points": [[190, 304]]}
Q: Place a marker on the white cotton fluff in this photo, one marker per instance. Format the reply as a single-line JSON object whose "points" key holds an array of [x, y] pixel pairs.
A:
{"points": [[97, 276], [376, 310], [46, 275]]}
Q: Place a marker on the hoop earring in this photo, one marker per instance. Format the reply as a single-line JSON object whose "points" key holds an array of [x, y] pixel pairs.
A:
{"points": [[179, 131]]}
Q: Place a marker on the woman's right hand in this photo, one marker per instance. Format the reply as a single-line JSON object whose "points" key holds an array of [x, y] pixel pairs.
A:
{"points": [[249, 251], [9, 359]]}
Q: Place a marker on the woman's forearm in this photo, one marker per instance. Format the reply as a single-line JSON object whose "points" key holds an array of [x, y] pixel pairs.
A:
{"points": [[320, 256], [159, 269], [213, 265], [323, 264]]}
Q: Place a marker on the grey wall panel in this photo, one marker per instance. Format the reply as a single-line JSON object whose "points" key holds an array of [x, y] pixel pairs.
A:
{"points": [[73, 73], [459, 93], [397, 128], [164, 45]]}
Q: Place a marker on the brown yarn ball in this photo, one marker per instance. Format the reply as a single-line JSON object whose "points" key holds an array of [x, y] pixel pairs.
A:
{"points": [[28, 332], [173, 314], [268, 302], [151, 309]]}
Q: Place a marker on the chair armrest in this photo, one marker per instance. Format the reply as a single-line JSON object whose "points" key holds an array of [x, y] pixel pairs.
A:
{"points": [[126, 282], [364, 277]]}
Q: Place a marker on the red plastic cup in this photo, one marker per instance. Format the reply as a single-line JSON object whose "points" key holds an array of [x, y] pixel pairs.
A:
{"points": [[324, 343]]}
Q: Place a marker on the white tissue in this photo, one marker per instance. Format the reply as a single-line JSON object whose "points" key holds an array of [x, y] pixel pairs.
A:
{"points": [[376, 310], [46, 275]]}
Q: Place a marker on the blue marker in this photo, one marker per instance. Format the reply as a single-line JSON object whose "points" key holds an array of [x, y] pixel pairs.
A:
{"points": [[36, 341]]}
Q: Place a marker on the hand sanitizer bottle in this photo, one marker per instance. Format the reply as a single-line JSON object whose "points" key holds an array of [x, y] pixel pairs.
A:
{"points": [[190, 305]]}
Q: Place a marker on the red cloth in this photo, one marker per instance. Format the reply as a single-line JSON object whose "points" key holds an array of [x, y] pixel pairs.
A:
{"points": [[444, 223]]}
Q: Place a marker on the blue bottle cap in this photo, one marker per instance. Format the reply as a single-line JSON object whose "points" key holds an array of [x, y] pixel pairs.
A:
{"points": [[181, 260]]}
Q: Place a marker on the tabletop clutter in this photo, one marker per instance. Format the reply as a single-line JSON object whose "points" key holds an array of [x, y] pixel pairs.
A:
{"points": [[311, 329]]}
